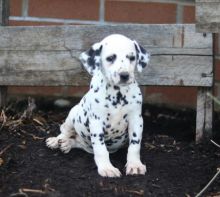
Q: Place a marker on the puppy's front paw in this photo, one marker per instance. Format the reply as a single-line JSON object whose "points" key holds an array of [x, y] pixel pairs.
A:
{"points": [[134, 168], [109, 171], [65, 145], [52, 142]]}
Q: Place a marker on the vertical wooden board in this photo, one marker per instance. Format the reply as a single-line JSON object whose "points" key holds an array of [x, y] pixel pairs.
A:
{"points": [[204, 115], [208, 115], [4, 14], [200, 115]]}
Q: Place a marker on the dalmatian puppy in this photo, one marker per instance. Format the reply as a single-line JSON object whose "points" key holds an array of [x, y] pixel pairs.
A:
{"points": [[109, 115]]}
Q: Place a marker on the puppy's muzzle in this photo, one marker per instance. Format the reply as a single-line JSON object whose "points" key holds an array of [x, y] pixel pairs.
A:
{"points": [[124, 77]]}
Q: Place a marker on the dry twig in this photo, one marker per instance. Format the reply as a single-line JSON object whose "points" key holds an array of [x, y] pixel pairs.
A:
{"points": [[213, 98], [5, 149], [215, 143], [32, 135], [38, 191], [209, 183], [140, 192], [3, 119]]}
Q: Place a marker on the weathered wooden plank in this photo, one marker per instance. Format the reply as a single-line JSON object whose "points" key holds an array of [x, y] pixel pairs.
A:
{"points": [[178, 71], [208, 16], [204, 115], [60, 68], [49, 55], [209, 114], [4, 14], [173, 39]]}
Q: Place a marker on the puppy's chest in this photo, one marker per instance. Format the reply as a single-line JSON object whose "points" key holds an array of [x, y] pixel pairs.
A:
{"points": [[116, 120]]}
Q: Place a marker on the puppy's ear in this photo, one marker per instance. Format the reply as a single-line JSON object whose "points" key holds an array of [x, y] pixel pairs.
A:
{"points": [[91, 59], [142, 57]]}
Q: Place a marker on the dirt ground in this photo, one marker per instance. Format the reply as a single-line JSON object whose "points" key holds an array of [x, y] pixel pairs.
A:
{"points": [[176, 166]]}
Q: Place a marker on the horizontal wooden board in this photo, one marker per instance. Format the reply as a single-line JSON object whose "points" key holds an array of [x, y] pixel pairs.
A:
{"points": [[49, 55], [208, 16]]}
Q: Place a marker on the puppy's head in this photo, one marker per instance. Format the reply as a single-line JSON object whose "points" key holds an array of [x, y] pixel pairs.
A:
{"points": [[116, 56]]}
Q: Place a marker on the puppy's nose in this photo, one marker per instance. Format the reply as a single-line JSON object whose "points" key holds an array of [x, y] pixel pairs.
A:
{"points": [[124, 76]]}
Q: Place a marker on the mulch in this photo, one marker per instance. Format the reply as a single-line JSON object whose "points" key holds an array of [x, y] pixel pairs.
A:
{"points": [[176, 165]]}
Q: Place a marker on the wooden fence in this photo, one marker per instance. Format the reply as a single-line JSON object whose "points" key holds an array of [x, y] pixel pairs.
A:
{"points": [[48, 56], [208, 16]]}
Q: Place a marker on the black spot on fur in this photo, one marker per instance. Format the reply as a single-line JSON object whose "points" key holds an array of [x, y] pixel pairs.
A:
{"points": [[125, 116], [83, 135], [143, 64], [106, 106], [142, 49], [91, 62], [91, 52], [108, 126], [104, 131], [137, 48], [80, 121], [96, 90], [116, 88], [134, 134], [108, 97], [101, 136], [96, 100], [87, 123], [120, 99], [135, 141]]}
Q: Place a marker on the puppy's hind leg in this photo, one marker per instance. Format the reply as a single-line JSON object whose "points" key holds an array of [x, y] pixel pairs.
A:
{"points": [[67, 138]]}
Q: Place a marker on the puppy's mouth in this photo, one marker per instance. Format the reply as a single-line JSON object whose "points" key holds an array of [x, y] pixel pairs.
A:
{"points": [[124, 83]]}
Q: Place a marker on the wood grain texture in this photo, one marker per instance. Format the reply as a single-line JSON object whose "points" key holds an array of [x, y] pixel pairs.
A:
{"points": [[49, 55], [4, 14], [204, 115], [208, 16]]}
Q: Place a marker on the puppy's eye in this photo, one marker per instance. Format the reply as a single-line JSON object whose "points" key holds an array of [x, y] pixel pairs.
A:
{"points": [[111, 58], [132, 58]]}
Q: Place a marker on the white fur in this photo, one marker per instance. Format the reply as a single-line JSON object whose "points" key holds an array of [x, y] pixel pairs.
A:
{"points": [[109, 115]]}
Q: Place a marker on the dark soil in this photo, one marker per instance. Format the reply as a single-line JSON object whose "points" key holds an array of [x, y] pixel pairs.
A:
{"points": [[176, 166]]}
